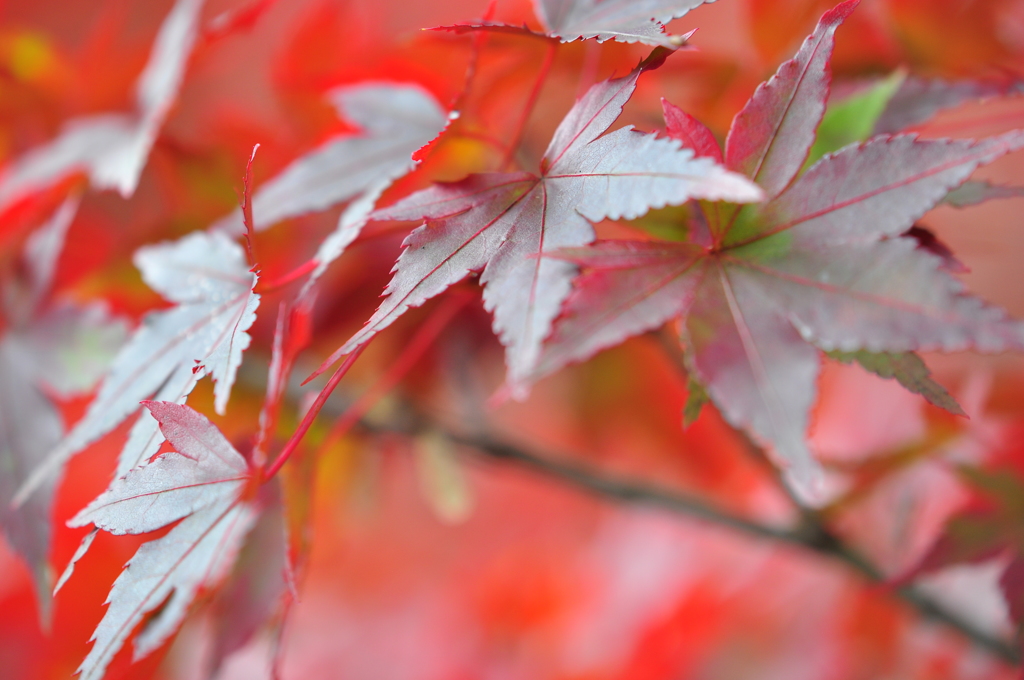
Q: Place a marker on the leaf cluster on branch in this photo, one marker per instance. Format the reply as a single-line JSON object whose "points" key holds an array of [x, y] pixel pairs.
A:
{"points": [[795, 243]]}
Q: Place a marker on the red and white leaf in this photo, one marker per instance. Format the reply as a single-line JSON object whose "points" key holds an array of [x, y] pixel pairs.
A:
{"points": [[626, 288], [773, 134], [502, 223], [754, 365], [112, 149], [200, 483]]}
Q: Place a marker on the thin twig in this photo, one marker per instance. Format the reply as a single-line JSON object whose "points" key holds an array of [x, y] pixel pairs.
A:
{"points": [[531, 101]]}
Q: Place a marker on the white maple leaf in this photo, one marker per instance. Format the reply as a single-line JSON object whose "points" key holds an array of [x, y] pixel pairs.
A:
{"points": [[200, 486]]}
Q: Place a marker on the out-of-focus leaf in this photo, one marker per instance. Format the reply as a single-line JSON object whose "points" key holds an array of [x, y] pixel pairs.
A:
{"points": [[44, 246], [112, 148], [442, 480], [30, 427], [501, 223], [200, 483], [974, 193], [208, 279], [989, 527], [853, 119], [70, 347], [696, 397], [47, 349], [255, 591], [909, 370], [919, 99]]}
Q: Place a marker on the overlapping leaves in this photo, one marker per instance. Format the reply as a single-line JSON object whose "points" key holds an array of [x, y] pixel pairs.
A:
{"points": [[50, 349], [112, 148], [200, 485], [207, 278], [761, 289], [501, 223], [627, 21]]}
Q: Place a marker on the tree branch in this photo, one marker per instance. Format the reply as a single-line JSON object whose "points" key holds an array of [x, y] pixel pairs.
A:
{"points": [[811, 534]]}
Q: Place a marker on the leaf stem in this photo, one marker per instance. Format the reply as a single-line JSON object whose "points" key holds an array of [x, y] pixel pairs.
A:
{"points": [[275, 284], [250, 229], [810, 535], [311, 414], [531, 102], [414, 350]]}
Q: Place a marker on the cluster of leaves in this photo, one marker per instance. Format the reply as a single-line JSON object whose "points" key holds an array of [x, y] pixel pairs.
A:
{"points": [[795, 241]]}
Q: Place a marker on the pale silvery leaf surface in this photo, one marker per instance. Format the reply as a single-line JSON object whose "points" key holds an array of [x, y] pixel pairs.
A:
{"points": [[822, 265], [872, 190], [395, 121], [200, 483], [502, 223], [204, 333], [112, 148], [627, 288], [620, 20]]}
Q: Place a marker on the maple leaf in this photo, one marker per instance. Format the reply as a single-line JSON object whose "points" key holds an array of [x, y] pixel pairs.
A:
{"points": [[974, 193], [627, 21], [918, 100], [112, 148], [60, 350], [501, 223], [819, 266], [619, 20], [200, 485], [395, 121], [207, 278], [989, 527]]}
